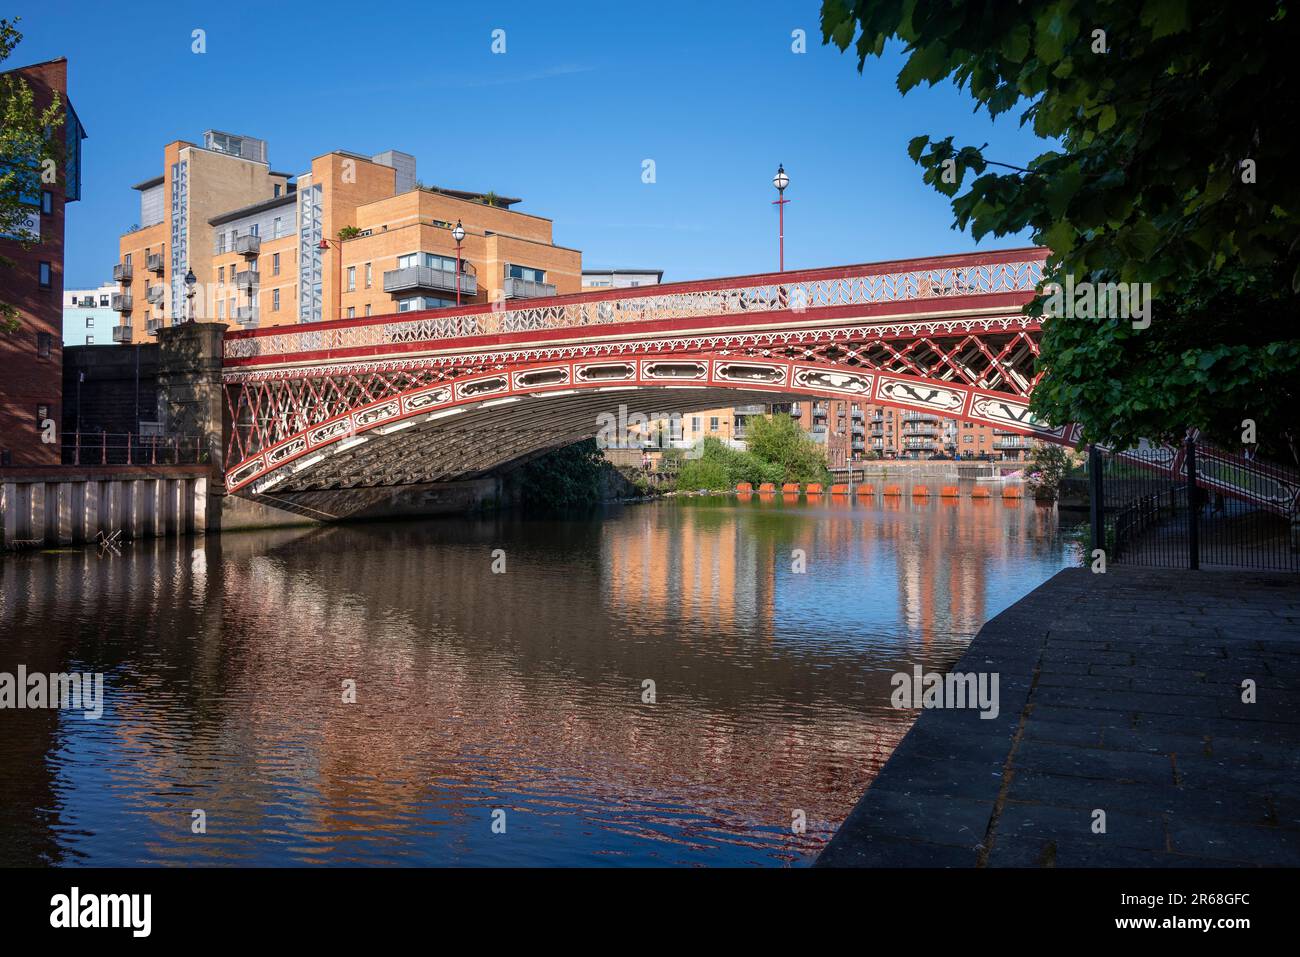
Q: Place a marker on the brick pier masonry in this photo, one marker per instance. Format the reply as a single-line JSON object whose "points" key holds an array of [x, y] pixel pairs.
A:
{"points": [[1121, 693]]}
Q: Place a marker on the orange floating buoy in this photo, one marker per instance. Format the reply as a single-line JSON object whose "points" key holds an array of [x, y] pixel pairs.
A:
{"points": [[948, 491], [921, 491], [892, 490], [767, 487], [1013, 491], [790, 487], [744, 487], [979, 491], [838, 489], [866, 490], [814, 488]]}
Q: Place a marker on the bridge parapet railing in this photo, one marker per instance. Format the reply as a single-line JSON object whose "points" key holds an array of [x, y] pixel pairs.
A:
{"points": [[846, 286]]}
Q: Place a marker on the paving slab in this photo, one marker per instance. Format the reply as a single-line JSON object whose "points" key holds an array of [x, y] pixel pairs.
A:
{"points": [[1123, 693]]}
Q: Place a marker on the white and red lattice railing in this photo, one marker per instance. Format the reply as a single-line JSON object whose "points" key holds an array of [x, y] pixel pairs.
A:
{"points": [[923, 287]]}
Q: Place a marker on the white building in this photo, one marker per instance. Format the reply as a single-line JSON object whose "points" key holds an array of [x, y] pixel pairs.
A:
{"points": [[87, 318], [620, 278]]}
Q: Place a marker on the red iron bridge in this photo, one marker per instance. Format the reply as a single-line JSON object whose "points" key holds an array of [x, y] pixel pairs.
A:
{"points": [[457, 393]]}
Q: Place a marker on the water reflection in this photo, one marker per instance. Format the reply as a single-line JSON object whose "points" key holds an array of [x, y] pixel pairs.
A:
{"points": [[226, 662]]}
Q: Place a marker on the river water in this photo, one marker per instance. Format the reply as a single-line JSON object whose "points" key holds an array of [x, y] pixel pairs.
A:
{"points": [[504, 712]]}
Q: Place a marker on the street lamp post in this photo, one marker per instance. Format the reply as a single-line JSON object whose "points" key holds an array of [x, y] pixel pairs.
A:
{"points": [[781, 181], [458, 234], [325, 244], [190, 280]]}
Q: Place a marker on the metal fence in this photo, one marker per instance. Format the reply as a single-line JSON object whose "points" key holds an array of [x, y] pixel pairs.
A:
{"points": [[133, 448], [1194, 507]]}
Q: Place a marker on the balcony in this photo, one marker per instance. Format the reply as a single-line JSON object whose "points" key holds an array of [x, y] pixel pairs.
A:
{"points": [[122, 333], [527, 289], [247, 279], [859, 445], [749, 410], [156, 264], [795, 410], [413, 278], [248, 246], [120, 301], [818, 430], [246, 316], [858, 415], [153, 325], [156, 294], [858, 429], [122, 272], [1021, 443]]}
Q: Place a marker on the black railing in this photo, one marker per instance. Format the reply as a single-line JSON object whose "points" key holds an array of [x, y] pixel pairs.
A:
{"points": [[1194, 507], [133, 448]]}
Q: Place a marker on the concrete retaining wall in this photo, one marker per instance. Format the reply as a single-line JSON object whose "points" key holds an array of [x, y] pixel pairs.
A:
{"points": [[67, 506]]}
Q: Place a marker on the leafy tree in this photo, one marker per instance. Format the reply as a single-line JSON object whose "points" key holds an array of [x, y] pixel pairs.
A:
{"points": [[1172, 122], [29, 157], [720, 467], [780, 440]]}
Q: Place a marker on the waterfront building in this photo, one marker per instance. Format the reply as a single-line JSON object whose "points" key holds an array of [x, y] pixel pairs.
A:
{"points": [[88, 316], [352, 236], [32, 358], [597, 278]]}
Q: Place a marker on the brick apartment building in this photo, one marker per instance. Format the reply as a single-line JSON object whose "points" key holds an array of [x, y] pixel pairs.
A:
{"points": [[352, 236], [860, 431], [31, 359]]}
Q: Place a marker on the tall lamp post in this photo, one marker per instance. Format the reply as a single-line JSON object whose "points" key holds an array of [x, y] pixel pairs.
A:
{"points": [[324, 245], [781, 181], [190, 280], [458, 234]]}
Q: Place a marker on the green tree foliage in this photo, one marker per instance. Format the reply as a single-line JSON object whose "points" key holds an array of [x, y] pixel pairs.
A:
{"points": [[568, 478], [720, 468], [1171, 122], [29, 157], [779, 439], [777, 451]]}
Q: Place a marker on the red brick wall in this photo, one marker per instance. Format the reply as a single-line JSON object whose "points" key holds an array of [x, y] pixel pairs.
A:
{"points": [[26, 380]]}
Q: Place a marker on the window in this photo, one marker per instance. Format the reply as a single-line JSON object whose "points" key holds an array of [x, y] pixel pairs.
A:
{"points": [[422, 302], [352, 279], [967, 439], [443, 263], [277, 228], [90, 340], [46, 280], [367, 309], [275, 265], [695, 423], [44, 345], [126, 260], [369, 275], [275, 300], [526, 272], [47, 202], [103, 300], [90, 322], [276, 193], [252, 230], [221, 309], [221, 274], [352, 312]]}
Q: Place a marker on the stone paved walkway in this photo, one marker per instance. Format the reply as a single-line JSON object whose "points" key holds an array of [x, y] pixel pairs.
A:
{"points": [[1120, 692]]}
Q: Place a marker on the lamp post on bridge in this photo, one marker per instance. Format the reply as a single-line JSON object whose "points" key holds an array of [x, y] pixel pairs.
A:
{"points": [[323, 246], [781, 181], [190, 280], [458, 234]]}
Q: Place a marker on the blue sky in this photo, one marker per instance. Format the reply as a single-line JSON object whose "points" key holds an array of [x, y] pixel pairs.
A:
{"points": [[564, 118]]}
